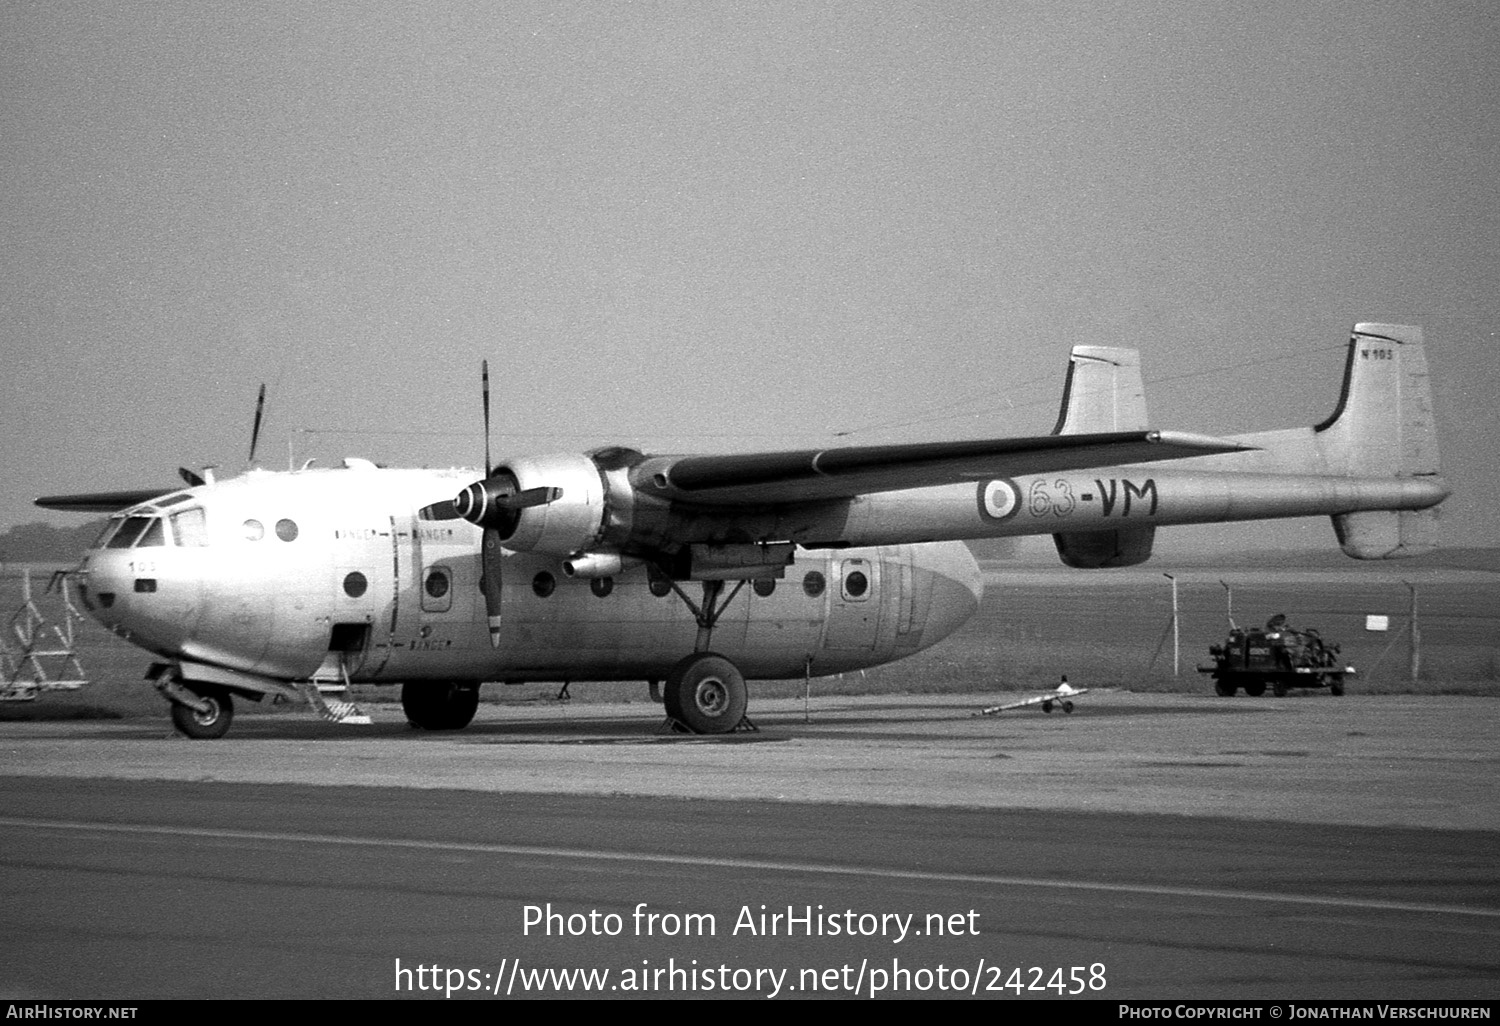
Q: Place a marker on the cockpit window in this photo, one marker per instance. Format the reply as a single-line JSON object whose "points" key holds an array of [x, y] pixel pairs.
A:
{"points": [[154, 534], [190, 527], [110, 526], [129, 531]]}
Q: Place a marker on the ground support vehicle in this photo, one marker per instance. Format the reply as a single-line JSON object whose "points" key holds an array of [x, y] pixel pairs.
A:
{"points": [[1277, 657]]}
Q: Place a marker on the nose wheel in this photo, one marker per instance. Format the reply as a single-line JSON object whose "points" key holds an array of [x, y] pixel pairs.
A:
{"points": [[208, 718]]}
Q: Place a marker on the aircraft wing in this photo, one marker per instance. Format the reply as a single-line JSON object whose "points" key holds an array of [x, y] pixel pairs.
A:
{"points": [[99, 502], [813, 474]]}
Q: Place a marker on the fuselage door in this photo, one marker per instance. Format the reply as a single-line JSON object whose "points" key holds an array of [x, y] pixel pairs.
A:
{"points": [[366, 568], [854, 612]]}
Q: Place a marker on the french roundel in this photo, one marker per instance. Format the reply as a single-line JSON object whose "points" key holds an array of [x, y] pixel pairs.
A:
{"points": [[999, 499]]}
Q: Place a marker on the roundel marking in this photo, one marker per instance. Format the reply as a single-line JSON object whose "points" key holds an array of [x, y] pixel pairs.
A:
{"points": [[999, 499]]}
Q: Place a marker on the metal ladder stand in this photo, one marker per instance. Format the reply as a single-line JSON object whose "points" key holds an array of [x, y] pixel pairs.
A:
{"points": [[23, 674]]}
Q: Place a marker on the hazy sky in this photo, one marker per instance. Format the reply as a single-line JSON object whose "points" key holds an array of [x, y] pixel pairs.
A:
{"points": [[714, 226]]}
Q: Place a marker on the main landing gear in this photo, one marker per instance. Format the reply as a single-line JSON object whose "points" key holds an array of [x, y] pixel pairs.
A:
{"points": [[706, 693], [442, 705]]}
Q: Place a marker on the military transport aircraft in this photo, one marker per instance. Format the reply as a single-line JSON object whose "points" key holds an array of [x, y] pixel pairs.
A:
{"points": [[701, 571]]}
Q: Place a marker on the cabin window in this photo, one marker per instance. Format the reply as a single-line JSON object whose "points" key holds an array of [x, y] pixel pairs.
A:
{"points": [[814, 583], [764, 586], [254, 530], [355, 584], [286, 530], [855, 579], [129, 532], [190, 527]]}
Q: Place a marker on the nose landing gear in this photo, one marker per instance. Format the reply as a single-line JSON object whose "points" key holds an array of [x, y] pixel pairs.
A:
{"points": [[203, 715]]}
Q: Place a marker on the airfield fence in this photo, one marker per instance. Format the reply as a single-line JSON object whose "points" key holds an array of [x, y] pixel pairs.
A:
{"points": [[1122, 631]]}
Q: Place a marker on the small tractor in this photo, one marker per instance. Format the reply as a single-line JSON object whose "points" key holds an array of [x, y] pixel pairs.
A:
{"points": [[1278, 657]]}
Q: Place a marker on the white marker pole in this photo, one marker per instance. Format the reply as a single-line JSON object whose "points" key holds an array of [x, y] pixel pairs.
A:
{"points": [[1176, 636]]}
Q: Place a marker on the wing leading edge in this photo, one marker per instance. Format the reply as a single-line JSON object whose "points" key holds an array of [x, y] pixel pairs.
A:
{"points": [[814, 474], [99, 502]]}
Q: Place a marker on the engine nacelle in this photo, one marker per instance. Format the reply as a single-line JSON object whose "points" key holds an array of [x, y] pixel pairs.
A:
{"points": [[561, 508]]}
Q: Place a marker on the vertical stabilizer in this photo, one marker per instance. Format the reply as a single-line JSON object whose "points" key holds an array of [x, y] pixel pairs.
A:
{"points": [[1103, 392], [1383, 427]]}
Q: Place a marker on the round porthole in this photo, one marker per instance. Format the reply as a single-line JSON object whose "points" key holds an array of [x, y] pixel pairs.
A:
{"points": [[814, 584], [355, 584], [437, 584], [856, 584], [254, 530], [764, 586], [286, 530], [543, 584], [602, 586]]}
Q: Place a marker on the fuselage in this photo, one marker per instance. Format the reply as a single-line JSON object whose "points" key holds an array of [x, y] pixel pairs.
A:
{"points": [[333, 572]]}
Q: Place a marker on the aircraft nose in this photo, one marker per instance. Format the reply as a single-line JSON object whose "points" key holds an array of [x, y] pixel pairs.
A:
{"points": [[141, 598], [102, 578], [957, 587]]}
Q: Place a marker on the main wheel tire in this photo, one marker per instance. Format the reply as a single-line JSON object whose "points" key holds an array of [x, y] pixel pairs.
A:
{"points": [[1255, 688], [1226, 687], [1067, 707], [445, 705], [706, 693], [207, 725]]}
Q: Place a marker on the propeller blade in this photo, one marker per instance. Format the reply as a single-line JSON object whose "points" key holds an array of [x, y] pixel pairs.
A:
{"points": [[438, 511], [527, 499], [491, 582], [260, 406], [484, 379]]}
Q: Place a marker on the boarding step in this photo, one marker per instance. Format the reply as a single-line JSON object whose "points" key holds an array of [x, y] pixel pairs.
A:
{"points": [[335, 711]]}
